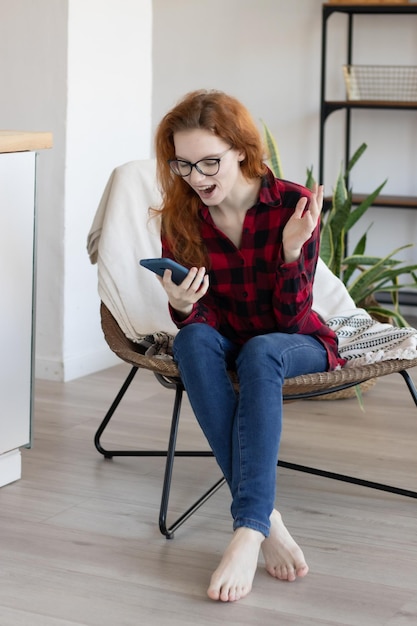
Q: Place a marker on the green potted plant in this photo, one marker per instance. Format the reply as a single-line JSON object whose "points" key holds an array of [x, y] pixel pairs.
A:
{"points": [[363, 275]]}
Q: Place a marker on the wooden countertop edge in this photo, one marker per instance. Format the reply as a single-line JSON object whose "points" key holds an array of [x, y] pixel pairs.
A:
{"points": [[24, 141]]}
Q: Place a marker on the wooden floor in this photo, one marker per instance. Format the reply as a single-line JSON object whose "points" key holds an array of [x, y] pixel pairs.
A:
{"points": [[80, 544]]}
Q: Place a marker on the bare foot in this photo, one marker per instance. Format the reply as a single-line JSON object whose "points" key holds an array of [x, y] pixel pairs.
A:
{"points": [[283, 557], [233, 578]]}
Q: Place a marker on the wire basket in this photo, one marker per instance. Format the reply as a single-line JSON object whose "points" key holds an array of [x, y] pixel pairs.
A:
{"points": [[393, 83]]}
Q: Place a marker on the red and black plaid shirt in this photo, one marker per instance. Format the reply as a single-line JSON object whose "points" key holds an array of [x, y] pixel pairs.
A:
{"points": [[252, 291]]}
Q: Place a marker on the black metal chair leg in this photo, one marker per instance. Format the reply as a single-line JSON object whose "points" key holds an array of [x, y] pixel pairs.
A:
{"points": [[107, 453], [348, 479], [410, 384], [169, 531], [170, 453], [352, 479]]}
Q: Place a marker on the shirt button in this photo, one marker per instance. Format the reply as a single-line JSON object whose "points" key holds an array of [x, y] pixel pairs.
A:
{"points": [[245, 294]]}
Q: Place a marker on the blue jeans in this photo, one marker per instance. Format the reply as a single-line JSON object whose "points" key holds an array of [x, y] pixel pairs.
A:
{"points": [[244, 429]]}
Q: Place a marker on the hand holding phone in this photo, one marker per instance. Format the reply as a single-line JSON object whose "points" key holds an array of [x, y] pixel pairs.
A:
{"points": [[179, 272]]}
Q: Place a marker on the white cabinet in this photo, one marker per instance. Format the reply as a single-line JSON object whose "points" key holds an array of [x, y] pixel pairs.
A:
{"points": [[17, 289]]}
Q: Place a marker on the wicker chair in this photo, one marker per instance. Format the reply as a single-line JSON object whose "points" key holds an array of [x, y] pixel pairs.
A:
{"points": [[297, 388], [120, 235]]}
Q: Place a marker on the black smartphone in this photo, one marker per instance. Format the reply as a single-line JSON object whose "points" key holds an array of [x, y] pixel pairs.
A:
{"points": [[179, 272]]}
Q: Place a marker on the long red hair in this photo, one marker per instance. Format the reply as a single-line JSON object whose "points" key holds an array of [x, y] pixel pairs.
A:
{"points": [[225, 117]]}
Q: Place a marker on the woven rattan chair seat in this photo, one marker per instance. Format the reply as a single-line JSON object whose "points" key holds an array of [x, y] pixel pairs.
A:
{"points": [[299, 386]]}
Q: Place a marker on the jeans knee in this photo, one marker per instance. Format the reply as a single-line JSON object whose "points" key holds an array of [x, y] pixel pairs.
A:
{"points": [[192, 339], [259, 348]]}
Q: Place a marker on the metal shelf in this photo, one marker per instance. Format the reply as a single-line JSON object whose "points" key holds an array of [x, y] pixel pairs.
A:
{"points": [[329, 106], [329, 8], [334, 105]]}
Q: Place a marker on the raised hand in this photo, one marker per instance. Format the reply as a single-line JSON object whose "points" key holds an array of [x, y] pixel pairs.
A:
{"points": [[301, 224]]}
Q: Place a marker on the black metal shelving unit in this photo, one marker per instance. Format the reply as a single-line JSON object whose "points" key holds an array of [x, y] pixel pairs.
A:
{"points": [[327, 107]]}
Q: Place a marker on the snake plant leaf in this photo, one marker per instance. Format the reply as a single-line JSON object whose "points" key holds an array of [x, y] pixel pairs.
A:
{"points": [[359, 251], [272, 152], [377, 287], [340, 193], [394, 287], [361, 245], [363, 259], [310, 180], [358, 260], [337, 255], [358, 392], [357, 213], [340, 217], [334, 230], [368, 277], [379, 311], [326, 245], [356, 156], [395, 296]]}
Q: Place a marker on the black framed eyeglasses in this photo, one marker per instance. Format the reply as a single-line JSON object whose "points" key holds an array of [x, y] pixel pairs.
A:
{"points": [[206, 167]]}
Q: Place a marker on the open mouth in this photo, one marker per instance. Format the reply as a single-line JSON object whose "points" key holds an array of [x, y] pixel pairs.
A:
{"points": [[207, 191]]}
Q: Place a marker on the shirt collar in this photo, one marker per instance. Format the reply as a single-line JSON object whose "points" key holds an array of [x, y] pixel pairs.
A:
{"points": [[270, 190]]}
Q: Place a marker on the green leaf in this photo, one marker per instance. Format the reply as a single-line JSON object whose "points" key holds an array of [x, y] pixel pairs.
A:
{"points": [[358, 392], [361, 245], [396, 287], [273, 152], [358, 252], [340, 193], [340, 217], [369, 276], [358, 260], [357, 213], [388, 313], [355, 157], [326, 245], [310, 181], [370, 260]]}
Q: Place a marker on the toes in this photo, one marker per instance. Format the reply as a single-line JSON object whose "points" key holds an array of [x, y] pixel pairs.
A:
{"points": [[213, 594], [224, 593], [290, 573], [302, 570], [284, 572], [227, 594], [287, 573]]}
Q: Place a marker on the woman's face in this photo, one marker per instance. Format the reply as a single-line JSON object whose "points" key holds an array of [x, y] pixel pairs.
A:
{"points": [[196, 145]]}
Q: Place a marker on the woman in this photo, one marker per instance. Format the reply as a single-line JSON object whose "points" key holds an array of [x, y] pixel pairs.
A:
{"points": [[251, 244]]}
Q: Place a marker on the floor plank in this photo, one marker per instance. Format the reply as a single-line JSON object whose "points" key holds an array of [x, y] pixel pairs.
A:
{"points": [[80, 545]]}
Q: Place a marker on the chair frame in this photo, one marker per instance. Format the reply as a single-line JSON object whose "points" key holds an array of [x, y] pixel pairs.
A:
{"points": [[297, 388]]}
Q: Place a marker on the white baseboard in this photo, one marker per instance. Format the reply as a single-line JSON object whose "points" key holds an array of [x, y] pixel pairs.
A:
{"points": [[10, 467], [75, 367]]}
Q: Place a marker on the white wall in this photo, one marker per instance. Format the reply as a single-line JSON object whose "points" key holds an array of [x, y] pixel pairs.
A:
{"points": [[81, 69], [33, 78], [108, 123]]}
